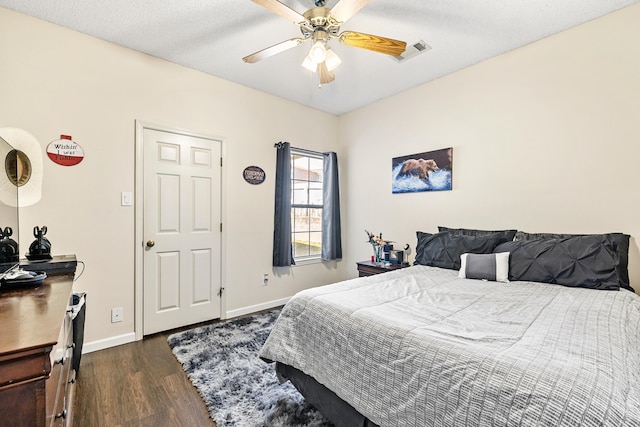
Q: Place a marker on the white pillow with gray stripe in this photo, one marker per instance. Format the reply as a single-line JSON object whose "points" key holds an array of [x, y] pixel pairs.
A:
{"points": [[493, 267]]}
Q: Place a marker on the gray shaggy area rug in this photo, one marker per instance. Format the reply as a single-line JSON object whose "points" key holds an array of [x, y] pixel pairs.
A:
{"points": [[239, 388]]}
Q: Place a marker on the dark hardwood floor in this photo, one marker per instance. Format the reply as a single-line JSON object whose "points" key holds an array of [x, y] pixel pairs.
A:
{"points": [[137, 384]]}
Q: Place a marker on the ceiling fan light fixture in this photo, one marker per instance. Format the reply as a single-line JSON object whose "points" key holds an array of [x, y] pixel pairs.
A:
{"points": [[321, 24], [309, 64], [318, 52], [333, 60]]}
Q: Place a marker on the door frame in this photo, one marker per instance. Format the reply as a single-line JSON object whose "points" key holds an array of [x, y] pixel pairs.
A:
{"points": [[139, 219]]}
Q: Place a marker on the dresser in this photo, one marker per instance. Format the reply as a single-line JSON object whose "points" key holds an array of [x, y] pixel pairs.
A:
{"points": [[369, 268], [36, 352]]}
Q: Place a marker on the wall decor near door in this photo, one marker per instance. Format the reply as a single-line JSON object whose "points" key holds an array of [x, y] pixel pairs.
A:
{"points": [[428, 171], [65, 152], [254, 175]]}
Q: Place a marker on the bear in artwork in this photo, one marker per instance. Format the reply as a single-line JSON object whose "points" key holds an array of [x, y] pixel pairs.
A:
{"points": [[418, 167]]}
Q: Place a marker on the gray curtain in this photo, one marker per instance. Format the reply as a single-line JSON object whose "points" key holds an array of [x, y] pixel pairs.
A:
{"points": [[331, 231], [282, 250]]}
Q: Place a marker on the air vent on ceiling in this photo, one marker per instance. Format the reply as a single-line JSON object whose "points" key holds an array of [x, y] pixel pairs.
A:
{"points": [[412, 50]]}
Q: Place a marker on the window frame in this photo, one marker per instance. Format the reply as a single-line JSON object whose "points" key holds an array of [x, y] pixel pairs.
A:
{"points": [[298, 152]]}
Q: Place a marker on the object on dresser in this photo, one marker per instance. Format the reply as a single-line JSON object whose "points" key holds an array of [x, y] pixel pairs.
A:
{"points": [[396, 257], [381, 248], [20, 278], [41, 247], [8, 246], [58, 264]]}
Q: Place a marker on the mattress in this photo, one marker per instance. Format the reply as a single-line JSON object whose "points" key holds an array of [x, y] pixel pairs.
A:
{"points": [[422, 347]]}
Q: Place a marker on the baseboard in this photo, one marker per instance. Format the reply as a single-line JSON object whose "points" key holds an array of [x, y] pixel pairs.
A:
{"points": [[254, 308], [92, 346]]}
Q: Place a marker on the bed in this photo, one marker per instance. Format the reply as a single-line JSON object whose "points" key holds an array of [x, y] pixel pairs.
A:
{"points": [[428, 346]]}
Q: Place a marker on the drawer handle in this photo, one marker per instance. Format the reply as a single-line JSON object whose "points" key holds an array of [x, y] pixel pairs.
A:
{"points": [[62, 414], [61, 361]]}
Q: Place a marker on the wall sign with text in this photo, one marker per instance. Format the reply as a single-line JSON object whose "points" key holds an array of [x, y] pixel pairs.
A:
{"points": [[254, 175], [64, 151]]}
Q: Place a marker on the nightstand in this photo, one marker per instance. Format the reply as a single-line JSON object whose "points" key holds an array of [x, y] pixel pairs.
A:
{"points": [[368, 268]]}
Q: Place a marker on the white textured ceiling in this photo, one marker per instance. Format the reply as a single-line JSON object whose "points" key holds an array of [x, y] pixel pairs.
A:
{"points": [[212, 36]]}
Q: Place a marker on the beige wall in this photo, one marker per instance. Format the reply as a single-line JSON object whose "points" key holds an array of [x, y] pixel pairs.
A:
{"points": [[54, 81], [545, 138]]}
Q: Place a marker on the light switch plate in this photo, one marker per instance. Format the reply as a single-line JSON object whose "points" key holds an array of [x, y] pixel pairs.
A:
{"points": [[126, 198]]}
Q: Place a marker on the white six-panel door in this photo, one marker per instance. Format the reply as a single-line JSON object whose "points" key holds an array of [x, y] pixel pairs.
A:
{"points": [[181, 230]]}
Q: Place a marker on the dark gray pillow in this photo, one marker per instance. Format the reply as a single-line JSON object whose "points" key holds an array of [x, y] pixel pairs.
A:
{"points": [[507, 234], [444, 249], [579, 261], [421, 246], [620, 241]]}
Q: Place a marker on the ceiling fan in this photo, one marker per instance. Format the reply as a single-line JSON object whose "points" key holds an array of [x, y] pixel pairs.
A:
{"points": [[320, 24]]}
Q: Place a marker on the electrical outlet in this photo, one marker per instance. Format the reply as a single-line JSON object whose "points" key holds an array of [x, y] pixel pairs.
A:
{"points": [[116, 314], [265, 279]]}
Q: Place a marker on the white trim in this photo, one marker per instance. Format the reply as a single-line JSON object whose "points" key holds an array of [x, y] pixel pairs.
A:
{"points": [[139, 218], [139, 235], [306, 261], [255, 308], [131, 336], [108, 342]]}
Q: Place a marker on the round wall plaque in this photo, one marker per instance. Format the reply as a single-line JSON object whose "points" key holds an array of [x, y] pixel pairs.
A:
{"points": [[65, 152], [254, 175]]}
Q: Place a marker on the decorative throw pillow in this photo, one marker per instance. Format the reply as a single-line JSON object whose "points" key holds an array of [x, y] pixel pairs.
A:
{"points": [[444, 249], [620, 242], [493, 267], [580, 261], [507, 234]]}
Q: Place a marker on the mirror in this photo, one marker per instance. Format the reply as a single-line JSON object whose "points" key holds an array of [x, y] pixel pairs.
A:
{"points": [[18, 171]]}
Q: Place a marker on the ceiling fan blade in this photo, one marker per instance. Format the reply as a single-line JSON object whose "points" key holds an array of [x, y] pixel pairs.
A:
{"points": [[273, 50], [374, 43], [281, 9], [326, 76], [345, 9]]}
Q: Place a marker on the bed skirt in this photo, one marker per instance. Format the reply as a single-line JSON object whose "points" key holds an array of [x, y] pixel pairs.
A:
{"points": [[327, 402]]}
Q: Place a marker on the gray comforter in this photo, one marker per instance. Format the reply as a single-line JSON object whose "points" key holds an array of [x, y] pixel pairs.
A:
{"points": [[421, 347]]}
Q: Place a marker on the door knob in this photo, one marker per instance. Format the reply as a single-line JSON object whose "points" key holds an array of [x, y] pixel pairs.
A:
{"points": [[150, 243]]}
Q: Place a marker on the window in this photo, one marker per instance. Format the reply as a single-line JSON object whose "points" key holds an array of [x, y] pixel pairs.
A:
{"points": [[306, 204], [306, 220]]}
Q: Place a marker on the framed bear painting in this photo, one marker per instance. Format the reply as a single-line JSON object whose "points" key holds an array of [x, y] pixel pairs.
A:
{"points": [[428, 171]]}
